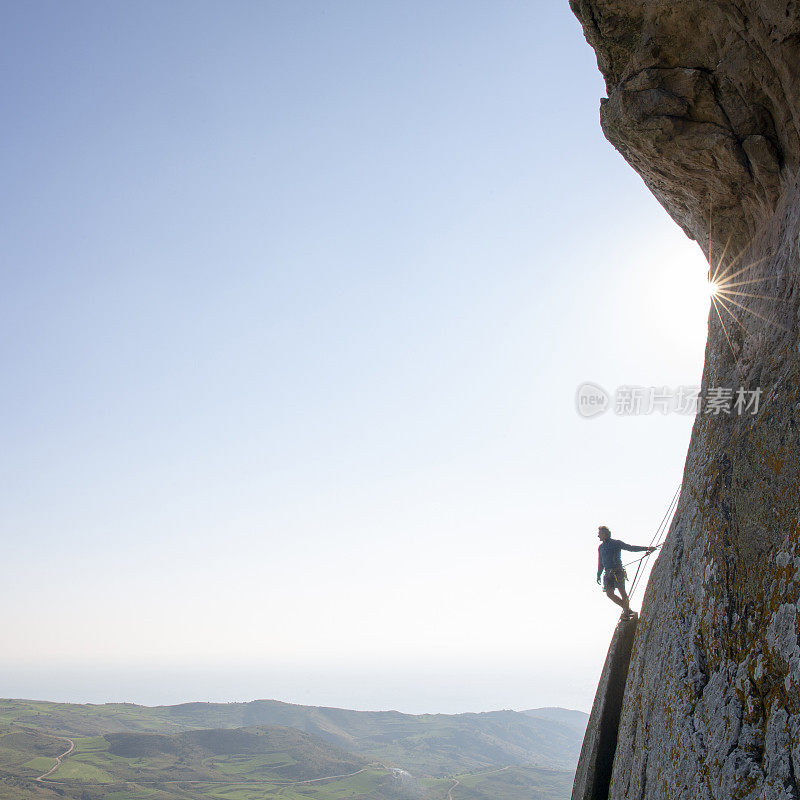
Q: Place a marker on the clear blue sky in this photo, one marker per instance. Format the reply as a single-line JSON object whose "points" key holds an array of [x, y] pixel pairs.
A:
{"points": [[296, 297]]}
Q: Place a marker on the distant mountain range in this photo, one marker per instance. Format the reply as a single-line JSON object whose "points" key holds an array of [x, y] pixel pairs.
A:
{"points": [[574, 719], [271, 745]]}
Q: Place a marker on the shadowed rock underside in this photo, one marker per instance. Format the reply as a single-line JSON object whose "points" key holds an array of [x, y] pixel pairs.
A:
{"points": [[593, 775], [704, 103]]}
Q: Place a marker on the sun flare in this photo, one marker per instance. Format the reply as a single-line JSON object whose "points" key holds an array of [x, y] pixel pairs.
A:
{"points": [[735, 287]]}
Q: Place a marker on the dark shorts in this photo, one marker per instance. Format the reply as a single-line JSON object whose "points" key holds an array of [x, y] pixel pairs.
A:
{"points": [[614, 579]]}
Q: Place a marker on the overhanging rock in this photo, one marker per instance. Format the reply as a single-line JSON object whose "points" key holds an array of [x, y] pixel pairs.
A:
{"points": [[593, 776], [704, 102]]}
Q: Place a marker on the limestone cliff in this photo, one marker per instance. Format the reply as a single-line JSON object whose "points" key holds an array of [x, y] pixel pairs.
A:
{"points": [[704, 103]]}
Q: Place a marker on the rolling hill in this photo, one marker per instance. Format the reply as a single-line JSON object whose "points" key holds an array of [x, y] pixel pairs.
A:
{"points": [[265, 748]]}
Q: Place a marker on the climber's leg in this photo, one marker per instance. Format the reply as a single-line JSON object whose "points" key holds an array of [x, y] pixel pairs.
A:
{"points": [[611, 596], [625, 602], [615, 579]]}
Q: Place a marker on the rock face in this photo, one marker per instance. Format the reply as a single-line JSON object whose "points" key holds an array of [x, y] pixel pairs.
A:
{"points": [[593, 775], [704, 103]]}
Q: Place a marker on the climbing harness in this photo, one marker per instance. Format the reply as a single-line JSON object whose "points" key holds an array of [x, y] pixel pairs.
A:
{"points": [[661, 531]]}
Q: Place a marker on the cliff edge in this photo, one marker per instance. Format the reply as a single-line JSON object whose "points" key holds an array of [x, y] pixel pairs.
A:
{"points": [[703, 102]]}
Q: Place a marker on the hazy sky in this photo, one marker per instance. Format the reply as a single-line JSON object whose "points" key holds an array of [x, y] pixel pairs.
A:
{"points": [[296, 298]]}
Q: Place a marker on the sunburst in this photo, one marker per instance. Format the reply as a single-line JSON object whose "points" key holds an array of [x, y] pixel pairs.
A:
{"points": [[735, 285]]}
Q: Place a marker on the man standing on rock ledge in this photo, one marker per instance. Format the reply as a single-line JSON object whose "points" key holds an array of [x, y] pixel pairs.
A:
{"points": [[609, 558]]}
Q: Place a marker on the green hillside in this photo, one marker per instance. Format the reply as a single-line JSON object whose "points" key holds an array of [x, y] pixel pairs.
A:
{"points": [[435, 744], [267, 749], [27, 753], [281, 755]]}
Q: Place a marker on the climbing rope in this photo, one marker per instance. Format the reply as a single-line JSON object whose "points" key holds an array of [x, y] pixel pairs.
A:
{"points": [[661, 531], [637, 560]]}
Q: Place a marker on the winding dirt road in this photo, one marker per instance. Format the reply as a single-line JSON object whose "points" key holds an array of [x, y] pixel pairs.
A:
{"points": [[456, 782], [58, 758]]}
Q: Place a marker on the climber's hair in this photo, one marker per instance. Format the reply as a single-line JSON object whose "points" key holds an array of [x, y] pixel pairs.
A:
{"points": [[603, 529]]}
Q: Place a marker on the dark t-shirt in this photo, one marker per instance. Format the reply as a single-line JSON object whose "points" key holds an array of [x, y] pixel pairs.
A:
{"points": [[609, 554]]}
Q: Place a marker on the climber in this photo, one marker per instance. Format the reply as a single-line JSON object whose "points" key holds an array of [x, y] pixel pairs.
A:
{"points": [[609, 559]]}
